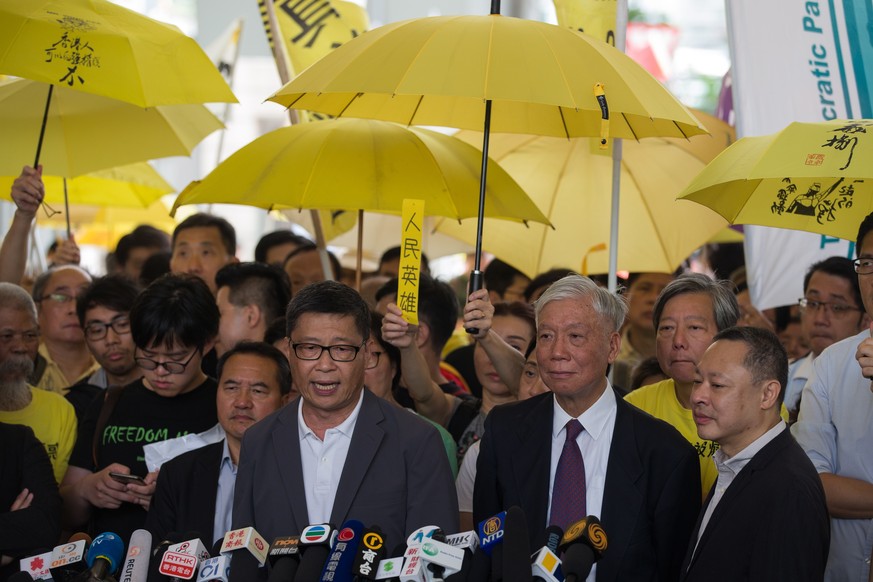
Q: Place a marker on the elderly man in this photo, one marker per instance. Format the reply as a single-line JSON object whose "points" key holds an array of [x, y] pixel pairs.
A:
{"points": [[340, 452], [834, 428], [52, 418], [766, 517], [687, 315], [253, 381], [638, 474]]}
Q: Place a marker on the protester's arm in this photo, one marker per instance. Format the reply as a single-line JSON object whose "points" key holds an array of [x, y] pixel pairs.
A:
{"points": [[848, 498], [508, 361], [27, 193], [430, 401]]}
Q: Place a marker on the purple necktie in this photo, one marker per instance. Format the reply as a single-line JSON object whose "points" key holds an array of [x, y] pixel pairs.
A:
{"points": [[568, 495]]}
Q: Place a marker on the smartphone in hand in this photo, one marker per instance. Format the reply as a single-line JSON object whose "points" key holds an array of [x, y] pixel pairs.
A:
{"points": [[127, 479]]}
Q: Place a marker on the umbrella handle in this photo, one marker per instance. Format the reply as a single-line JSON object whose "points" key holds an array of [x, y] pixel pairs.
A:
{"points": [[477, 281]]}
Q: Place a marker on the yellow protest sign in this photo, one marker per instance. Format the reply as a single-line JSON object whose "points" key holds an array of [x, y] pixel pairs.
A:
{"points": [[410, 259]]}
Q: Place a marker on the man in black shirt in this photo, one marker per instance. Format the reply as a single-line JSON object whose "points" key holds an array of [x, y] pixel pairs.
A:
{"points": [[173, 323]]}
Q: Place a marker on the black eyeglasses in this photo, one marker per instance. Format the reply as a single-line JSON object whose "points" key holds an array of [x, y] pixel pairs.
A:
{"points": [[170, 366], [338, 353], [863, 266], [96, 330], [835, 309]]}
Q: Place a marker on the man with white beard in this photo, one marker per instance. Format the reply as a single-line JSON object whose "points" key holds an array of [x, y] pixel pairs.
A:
{"points": [[51, 417]]}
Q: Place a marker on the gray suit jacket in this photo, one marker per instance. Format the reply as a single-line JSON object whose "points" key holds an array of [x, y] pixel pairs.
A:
{"points": [[396, 475]]}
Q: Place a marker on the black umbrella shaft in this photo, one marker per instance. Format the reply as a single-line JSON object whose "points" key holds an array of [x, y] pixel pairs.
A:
{"points": [[495, 6], [483, 180], [48, 103]]}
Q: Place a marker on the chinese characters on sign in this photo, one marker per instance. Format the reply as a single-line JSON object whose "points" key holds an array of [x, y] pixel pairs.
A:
{"points": [[410, 259], [73, 50]]}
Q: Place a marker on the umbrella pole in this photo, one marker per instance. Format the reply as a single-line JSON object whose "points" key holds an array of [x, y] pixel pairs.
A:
{"points": [[358, 265], [477, 278], [48, 102], [67, 208]]}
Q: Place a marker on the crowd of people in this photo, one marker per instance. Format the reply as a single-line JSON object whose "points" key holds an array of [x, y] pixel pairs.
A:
{"points": [[189, 392]]}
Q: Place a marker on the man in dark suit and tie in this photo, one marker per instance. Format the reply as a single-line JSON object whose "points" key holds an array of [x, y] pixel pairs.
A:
{"points": [[194, 492], [635, 472], [339, 452], [766, 516]]}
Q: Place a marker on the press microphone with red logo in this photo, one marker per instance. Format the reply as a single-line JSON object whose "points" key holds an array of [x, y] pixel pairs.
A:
{"points": [[582, 545], [315, 543], [284, 558], [37, 565], [68, 560], [338, 567], [414, 568], [182, 561]]}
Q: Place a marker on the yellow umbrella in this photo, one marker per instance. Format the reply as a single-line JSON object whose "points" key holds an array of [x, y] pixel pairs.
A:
{"points": [[137, 186], [815, 177], [572, 184], [359, 164], [452, 70], [99, 47], [89, 132]]}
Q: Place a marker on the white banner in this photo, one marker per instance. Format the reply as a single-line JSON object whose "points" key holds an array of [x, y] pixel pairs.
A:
{"points": [[795, 60]]}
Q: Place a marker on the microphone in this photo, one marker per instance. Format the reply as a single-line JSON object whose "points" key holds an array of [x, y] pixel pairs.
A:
{"points": [[338, 567], [315, 543], [371, 551], [583, 544], [390, 568], [181, 560], [545, 564], [136, 563], [467, 542], [159, 551], [516, 547], [284, 557], [423, 533], [20, 576], [103, 556], [216, 568], [68, 560], [246, 538], [413, 569], [440, 558], [491, 533], [37, 566]]}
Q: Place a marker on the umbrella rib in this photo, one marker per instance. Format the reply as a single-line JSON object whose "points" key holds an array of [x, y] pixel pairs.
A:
{"points": [[629, 126], [415, 111]]}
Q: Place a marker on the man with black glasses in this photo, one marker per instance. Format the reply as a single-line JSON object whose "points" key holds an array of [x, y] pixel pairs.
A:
{"points": [[173, 323], [834, 428], [339, 452]]}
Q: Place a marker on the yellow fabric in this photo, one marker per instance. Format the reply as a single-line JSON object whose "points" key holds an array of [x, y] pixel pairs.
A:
{"points": [[53, 421], [809, 176], [99, 47], [660, 401], [86, 132], [594, 17], [572, 186], [361, 164], [458, 339], [53, 380], [440, 71]]}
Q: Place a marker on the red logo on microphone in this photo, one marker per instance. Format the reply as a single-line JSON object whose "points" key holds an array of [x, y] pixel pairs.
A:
{"points": [[347, 534]]}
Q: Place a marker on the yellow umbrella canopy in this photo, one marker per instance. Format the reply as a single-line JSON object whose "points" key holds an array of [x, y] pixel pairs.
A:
{"points": [[441, 71], [134, 186], [99, 47], [360, 164], [572, 185], [89, 132], [815, 177]]}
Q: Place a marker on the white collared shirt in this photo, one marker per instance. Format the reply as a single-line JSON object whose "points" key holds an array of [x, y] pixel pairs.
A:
{"points": [[594, 443], [730, 467], [323, 462]]}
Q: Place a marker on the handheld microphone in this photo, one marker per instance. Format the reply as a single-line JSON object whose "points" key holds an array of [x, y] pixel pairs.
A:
{"points": [[467, 542], [215, 569], [371, 551], [158, 553], [246, 538], [37, 566], [68, 560], [136, 563], [104, 555], [284, 557], [338, 567], [417, 537], [413, 568], [181, 560], [315, 543], [440, 558], [516, 547], [390, 568], [491, 533], [553, 535], [583, 544]]}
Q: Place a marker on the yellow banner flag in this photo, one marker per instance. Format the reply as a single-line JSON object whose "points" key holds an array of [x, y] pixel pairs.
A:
{"points": [[410, 259]]}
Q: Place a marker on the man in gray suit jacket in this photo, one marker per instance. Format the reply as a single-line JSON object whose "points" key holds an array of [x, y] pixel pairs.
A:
{"points": [[339, 452]]}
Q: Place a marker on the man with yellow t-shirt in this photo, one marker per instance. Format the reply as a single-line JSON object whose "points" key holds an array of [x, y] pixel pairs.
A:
{"points": [[687, 314], [51, 417]]}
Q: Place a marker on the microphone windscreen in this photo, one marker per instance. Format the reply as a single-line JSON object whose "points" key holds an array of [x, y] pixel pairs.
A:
{"points": [[480, 567], [109, 547], [516, 547], [216, 547], [497, 563], [577, 561], [312, 562], [80, 536], [136, 564], [284, 570]]}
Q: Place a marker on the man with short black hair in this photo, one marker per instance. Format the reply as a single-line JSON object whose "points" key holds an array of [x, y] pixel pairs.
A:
{"points": [[135, 248], [250, 296], [303, 266], [274, 246], [766, 517], [339, 452], [202, 244], [389, 263]]}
